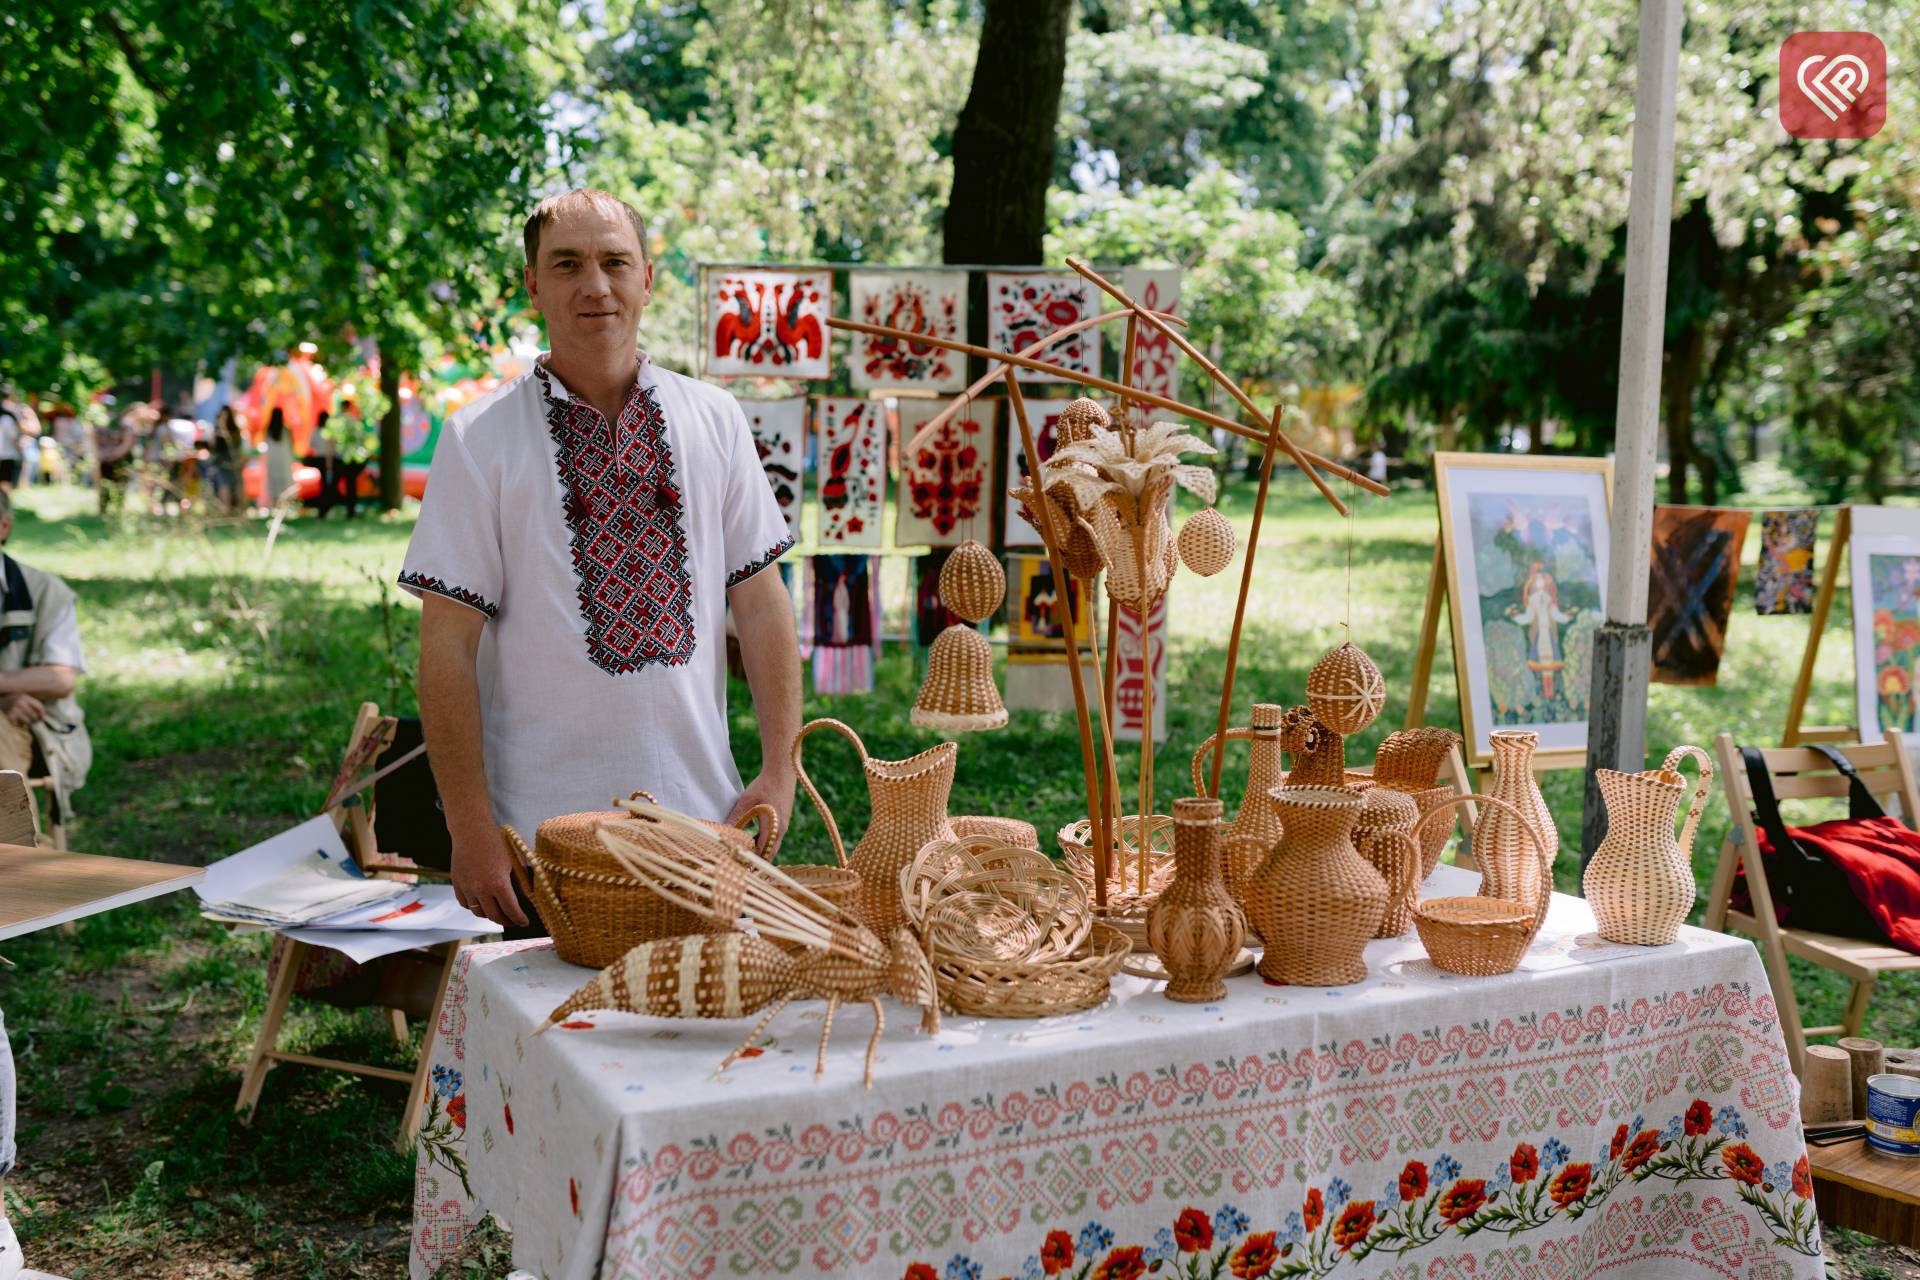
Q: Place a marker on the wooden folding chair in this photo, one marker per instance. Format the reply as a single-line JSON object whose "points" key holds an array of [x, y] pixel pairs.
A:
{"points": [[1799, 773], [350, 802]]}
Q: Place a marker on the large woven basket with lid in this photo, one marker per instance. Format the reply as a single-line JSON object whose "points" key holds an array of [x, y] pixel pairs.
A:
{"points": [[594, 908]]}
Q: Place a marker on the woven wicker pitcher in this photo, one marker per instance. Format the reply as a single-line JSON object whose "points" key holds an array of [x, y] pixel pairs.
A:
{"points": [[1508, 863], [909, 808], [1196, 927], [1315, 900], [1245, 841], [1640, 881]]}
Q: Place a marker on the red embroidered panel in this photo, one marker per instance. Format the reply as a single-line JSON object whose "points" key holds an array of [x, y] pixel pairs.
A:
{"points": [[628, 542]]}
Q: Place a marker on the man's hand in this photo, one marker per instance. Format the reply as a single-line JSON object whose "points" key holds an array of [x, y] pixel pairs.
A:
{"points": [[774, 787], [483, 879], [23, 708]]}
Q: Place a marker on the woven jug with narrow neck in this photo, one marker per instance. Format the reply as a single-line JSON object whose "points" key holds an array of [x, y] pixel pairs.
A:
{"points": [[1195, 927], [1244, 842], [1640, 881], [1510, 868], [909, 808]]}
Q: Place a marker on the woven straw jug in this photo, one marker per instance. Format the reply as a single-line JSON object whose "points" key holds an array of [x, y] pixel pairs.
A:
{"points": [[1245, 841], [1315, 900], [909, 808], [1196, 927], [1509, 865], [1640, 881], [1384, 837]]}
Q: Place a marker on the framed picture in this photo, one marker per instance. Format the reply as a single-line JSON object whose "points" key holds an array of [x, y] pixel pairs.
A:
{"points": [[946, 485], [1885, 563], [1036, 626], [1694, 573], [779, 430], [1525, 541]]}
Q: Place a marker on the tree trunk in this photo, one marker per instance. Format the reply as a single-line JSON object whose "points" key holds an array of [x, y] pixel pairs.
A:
{"points": [[1684, 370], [391, 490], [1003, 144]]}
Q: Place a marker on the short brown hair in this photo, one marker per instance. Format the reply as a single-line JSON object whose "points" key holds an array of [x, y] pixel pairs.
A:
{"points": [[580, 197]]}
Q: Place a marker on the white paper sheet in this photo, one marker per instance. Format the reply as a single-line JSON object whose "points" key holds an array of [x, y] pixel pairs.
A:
{"points": [[362, 945]]}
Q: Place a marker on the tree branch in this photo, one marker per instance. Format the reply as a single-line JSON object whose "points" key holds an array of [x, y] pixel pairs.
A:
{"points": [[135, 63]]}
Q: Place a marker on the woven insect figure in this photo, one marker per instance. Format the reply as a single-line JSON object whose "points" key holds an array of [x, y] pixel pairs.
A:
{"points": [[732, 975]]}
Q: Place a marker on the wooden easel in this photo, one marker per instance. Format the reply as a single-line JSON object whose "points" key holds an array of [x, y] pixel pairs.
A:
{"points": [[1796, 735]]}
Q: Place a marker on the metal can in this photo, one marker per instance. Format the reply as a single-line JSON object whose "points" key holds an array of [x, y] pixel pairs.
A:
{"points": [[1893, 1114]]}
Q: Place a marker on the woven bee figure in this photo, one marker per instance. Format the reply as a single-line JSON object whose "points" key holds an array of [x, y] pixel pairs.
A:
{"points": [[732, 975]]}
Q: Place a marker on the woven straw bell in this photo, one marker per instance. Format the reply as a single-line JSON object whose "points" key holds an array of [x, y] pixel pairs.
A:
{"points": [[972, 583], [958, 695], [1079, 420], [1345, 691], [1206, 542]]}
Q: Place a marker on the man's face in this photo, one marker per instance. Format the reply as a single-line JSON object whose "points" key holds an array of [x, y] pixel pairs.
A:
{"points": [[591, 282]]}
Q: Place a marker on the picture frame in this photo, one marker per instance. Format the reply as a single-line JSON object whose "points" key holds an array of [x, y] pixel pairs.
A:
{"points": [[1527, 536], [1884, 564]]}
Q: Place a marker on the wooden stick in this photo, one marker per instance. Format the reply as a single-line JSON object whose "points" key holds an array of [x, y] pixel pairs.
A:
{"points": [[1869, 1058], [1054, 539], [1429, 639], [1153, 398], [999, 371], [1822, 606], [1110, 680], [1234, 389], [1145, 829], [1240, 606], [1110, 800]]}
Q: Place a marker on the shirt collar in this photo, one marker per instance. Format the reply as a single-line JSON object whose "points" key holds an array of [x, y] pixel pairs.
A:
{"points": [[554, 391]]}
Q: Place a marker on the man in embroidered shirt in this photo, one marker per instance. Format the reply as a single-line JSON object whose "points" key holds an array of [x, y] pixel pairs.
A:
{"points": [[585, 528]]}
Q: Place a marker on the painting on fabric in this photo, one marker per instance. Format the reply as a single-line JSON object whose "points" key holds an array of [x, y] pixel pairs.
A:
{"points": [[929, 302], [1023, 308], [852, 470], [769, 324], [1156, 361], [946, 481], [779, 436]]}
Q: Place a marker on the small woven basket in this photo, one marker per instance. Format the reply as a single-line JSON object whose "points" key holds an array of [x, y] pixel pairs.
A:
{"points": [[1030, 988], [977, 899], [1480, 936], [972, 583], [594, 908], [1124, 899], [1411, 758], [1206, 542]]}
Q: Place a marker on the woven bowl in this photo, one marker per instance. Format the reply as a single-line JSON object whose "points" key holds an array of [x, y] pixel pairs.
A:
{"points": [[1029, 989], [1124, 898], [978, 899], [1476, 936]]}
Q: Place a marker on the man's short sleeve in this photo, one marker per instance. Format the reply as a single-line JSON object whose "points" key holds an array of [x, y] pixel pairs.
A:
{"points": [[455, 548], [752, 526], [56, 630]]}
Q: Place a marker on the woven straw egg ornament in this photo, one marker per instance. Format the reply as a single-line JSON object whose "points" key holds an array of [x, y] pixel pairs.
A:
{"points": [[1079, 420], [1345, 691], [1206, 542], [958, 695], [972, 583]]}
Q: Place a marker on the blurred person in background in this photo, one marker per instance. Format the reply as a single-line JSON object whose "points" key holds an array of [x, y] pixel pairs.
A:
{"points": [[325, 459], [19, 425], [225, 454], [279, 461], [112, 451]]}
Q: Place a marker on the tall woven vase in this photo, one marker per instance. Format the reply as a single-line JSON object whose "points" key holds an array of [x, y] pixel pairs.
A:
{"points": [[1195, 926], [909, 808], [1640, 881], [1509, 866], [1315, 900], [1244, 842]]}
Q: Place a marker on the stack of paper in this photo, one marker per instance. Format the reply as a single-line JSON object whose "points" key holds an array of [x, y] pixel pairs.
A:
{"points": [[303, 883]]}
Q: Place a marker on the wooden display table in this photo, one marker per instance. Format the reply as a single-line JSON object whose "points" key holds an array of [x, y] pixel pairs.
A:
{"points": [[40, 888], [1867, 1192]]}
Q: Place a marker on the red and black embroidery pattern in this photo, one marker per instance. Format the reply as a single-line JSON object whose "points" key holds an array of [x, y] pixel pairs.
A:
{"points": [[758, 563], [628, 542], [472, 599]]}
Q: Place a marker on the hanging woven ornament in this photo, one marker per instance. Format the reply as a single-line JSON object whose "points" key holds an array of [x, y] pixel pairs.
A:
{"points": [[1206, 542], [1079, 420], [958, 695], [1345, 690], [972, 583]]}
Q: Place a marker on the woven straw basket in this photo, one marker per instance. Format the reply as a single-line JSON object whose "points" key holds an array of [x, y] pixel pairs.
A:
{"points": [[1127, 907], [1481, 936], [1035, 989], [595, 909]]}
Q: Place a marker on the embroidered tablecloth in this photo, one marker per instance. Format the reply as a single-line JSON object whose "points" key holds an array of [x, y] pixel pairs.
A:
{"points": [[1603, 1110]]}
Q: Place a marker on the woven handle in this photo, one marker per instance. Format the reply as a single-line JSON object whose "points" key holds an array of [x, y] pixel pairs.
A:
{"points": [[523, 867], [833, 828], [1526, 825], [1240, 733], [1705, 764], [768, 820]]}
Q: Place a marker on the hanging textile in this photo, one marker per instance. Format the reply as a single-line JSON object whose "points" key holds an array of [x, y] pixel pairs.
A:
{"points": [[1784, 583], [1695, 570]]}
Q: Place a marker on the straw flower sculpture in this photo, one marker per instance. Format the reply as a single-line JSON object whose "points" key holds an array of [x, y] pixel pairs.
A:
{"points": [[1122, 485]]}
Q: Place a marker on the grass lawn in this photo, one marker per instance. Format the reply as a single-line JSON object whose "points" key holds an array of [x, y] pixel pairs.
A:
{"points": [[220, 690]]}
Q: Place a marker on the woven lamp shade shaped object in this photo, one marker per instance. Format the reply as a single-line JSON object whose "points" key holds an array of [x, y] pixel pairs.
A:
{"points": [[1206, 542], [1079, 420], [958, 695], [1345, 691], [972, 583]]}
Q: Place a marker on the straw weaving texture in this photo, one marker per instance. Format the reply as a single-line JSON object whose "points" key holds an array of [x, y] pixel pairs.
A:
{"points": [[1315, 900], [1206, 542], [1196, 927], [1384, 837], [1640, 882], [972, 583], [1345, 690], [958, 694]]}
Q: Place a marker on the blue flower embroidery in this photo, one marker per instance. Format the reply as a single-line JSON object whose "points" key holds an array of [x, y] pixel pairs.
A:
{"points": [[1094, 1238], [1446, 1169], [446, 1081], [1229, 1222], [961, 1267], [1554, 1154], [1339, 1191]]}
